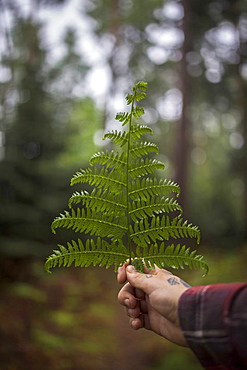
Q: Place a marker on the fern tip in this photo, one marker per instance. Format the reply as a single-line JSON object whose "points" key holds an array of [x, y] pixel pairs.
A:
{"points": [[206, 268], [47, 267]]}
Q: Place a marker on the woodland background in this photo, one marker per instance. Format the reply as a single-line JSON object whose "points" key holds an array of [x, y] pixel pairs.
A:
{"points": [[66, 66]]}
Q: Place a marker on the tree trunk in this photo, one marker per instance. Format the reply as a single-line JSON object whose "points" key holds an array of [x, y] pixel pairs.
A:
{"points": [[243, 162], [182, 138], [241, 104]]}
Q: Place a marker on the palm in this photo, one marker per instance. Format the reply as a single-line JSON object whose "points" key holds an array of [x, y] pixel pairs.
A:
{"points": [[160, 325]]}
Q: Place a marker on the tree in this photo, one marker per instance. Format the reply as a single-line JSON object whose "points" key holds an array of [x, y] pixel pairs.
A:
{"points": [[36, 127]]}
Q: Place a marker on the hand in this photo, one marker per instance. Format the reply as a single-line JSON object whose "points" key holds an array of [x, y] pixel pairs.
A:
{"points": [[151, 301]]}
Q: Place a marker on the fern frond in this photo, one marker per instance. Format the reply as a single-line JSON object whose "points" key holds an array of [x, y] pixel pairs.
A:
{"points": [[139, 130], [101, 178], [100, 201], [79, 197], [123, 117], [147, 188], [140, 149], [117, 137], [171, 256], [129, 99], [141, 209], [125, 204], [139, 92], [93, 253], [159, 228], [91, 222], [140, 95], [140, 85], [111, 159], [144, 167], [138, 112]]}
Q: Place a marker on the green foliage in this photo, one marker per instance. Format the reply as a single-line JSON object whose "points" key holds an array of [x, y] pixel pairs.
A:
{"points": [[126, 207]]}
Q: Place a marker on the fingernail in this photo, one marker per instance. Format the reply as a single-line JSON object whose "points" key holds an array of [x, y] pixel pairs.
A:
{"points": [[131, 268], [127, 302]]}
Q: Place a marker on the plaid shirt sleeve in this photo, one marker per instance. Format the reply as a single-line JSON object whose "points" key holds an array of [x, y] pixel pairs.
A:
{"points": [[214, 321]]}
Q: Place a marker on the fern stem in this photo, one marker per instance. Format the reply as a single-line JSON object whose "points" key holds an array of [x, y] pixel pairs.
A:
{"points": [[127, 175]]}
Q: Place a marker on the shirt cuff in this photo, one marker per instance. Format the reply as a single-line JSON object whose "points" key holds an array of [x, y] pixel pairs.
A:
{"points": [[204, 319]]}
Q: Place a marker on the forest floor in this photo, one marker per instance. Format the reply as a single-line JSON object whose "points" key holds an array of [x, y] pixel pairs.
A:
{"points": [[71, 319]]}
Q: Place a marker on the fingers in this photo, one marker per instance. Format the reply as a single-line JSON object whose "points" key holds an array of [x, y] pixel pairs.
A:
{"points": [[141, 322], [121, 274], [131, 297], [126, 296], [142, 282], [136, 323], [133, 312], [139, 294], [138, 285]]}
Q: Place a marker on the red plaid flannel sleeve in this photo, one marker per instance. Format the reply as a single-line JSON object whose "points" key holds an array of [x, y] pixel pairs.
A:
{"points": [[214, 321]]}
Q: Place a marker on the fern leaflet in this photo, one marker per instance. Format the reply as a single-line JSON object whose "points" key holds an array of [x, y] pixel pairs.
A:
{"points": [[93, 253]]}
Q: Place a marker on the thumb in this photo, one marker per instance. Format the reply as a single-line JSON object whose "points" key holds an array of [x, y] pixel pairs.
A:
{"points": [[138, 280]]}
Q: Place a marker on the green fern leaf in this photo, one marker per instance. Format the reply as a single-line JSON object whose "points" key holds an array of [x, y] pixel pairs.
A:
{"points": [[140, 149], [91, 222], [171, 256], [100, 201], [111, 159], [101, 178], [147, 188], [140, 86], [139, 130], [117, 137], [143, 167], [125, 206], [156, 205], [159, 228], [130, 99], [124, 118], [138, 112], [93, 253]]}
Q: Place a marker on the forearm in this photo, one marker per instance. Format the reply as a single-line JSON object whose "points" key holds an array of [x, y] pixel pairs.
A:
{"points": [[214, 322]]}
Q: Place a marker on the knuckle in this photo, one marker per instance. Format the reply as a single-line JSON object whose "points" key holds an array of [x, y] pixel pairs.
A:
{"points": [[120, 296]]}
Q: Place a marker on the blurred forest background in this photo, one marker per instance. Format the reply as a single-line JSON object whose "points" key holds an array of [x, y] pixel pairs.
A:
{"points": [[66, 66]]}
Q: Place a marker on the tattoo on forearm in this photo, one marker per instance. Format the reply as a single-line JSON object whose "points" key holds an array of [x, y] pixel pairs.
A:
{"points": [[173, 281], [176, 281], [149, 276], [185, 284]]}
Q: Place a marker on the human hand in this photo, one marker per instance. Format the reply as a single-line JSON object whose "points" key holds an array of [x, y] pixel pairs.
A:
{"points": [[151, 301]]}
